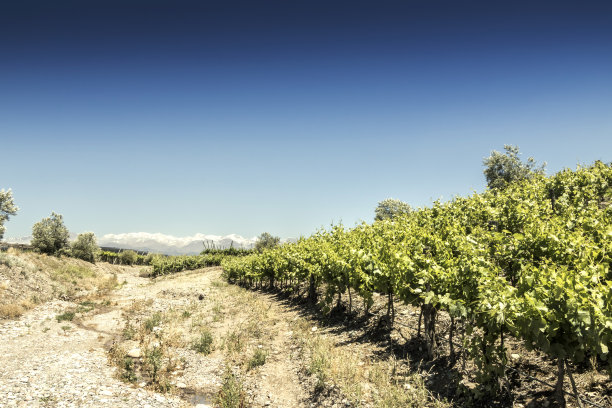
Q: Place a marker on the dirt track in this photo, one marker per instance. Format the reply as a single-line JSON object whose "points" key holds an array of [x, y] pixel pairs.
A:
{"points": [[51, 363]]}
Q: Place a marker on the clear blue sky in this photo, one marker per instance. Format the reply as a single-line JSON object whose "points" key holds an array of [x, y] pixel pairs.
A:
{"points": [[283, 116]]}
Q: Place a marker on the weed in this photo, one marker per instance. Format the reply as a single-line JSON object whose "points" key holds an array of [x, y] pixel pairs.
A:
{"points": [[85, 307], [66, 316], [319, 367], [218, 284], [234, 342], [153, 359], [255, 329], [217, 312], [152, 322], [45, 329], [186, 314], [258, 359], [204, 343], [129, 373], [128, 331], [66, 328], [232, 393]]}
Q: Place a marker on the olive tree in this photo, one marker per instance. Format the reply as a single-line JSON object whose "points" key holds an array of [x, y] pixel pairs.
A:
{"points": [[266, 241], [7, 208], [502, 169], [85, 247], [391, 208], [50, 235]]}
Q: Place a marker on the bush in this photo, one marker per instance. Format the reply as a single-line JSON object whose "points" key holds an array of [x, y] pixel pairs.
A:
{"points": [[258, 359], [85, 247], [128, 257], [204, 343]]}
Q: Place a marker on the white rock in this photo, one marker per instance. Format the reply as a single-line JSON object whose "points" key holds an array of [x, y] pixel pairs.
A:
{"points": [[181, 385], [314, 329], [134, 353], [515, 356]]}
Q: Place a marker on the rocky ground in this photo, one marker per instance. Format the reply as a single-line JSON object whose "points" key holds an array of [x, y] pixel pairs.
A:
{"points": [[64, 353]]}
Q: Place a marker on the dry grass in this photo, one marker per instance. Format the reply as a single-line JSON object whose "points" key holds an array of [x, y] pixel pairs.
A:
{"points": [[14, 310], [363, 380], [11, 311]]}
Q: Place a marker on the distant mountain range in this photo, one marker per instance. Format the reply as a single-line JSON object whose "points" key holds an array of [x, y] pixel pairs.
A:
{"points": [[164, 244]]}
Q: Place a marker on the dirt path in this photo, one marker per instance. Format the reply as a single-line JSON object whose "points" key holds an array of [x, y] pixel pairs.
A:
{"points": [[47, 361]]}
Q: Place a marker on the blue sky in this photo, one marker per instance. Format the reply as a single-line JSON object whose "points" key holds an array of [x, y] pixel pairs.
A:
{"points": [[242, 117]]}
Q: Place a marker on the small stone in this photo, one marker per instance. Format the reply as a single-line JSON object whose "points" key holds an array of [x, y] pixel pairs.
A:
{"points": [[314, 329], [134, 353], [181, 385], [515, 356], [142, 384], [407, 386], [106, 392]]}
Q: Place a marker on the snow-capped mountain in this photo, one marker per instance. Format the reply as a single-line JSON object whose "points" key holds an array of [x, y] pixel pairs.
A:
{"points": [[161, 243], [171, 245]]}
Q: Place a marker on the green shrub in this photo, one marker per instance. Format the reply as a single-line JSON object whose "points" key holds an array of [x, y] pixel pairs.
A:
{"points": [[258, 359], [204, 343]]}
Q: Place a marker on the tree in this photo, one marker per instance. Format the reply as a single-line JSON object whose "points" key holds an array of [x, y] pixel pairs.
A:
{"points": [[391, 208], [266, 241], [502, 169], [50, 235], [7, 208], [85, 247]]}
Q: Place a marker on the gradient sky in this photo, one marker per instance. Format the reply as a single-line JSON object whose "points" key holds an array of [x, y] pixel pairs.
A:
{"points": [[283, 116]]}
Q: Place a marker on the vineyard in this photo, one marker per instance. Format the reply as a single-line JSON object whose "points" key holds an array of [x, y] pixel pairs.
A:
{"points": [[529, 262], [163, 265]]}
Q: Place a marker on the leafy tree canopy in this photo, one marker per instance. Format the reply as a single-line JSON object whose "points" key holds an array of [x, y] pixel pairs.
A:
{"points": [[128, 257], [502, 169], [85, 247], [391, 208], [7, 208], [266, 241], [50, 235]]}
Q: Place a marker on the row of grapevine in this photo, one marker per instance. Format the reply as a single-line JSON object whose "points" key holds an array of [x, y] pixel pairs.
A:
{"points": [[127, 257], [531, 261], [172, 264]]}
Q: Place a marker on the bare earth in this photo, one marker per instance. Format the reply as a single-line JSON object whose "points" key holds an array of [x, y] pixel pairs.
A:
{"points": [[51, 363]]}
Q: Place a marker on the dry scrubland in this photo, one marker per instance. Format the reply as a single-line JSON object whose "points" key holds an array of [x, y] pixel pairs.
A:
{"points": [[78, 334]]}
